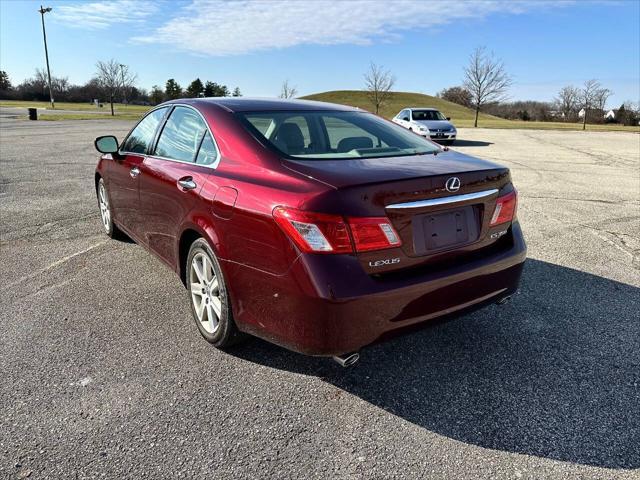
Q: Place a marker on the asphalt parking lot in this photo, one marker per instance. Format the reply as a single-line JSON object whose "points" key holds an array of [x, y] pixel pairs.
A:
{"points": [[103, 374]]}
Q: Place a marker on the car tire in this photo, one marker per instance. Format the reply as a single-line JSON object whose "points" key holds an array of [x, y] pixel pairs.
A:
{"points": [[106, 214], [209, 297]]}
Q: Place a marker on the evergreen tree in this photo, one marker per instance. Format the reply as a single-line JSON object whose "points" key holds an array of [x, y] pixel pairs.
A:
{"points": [[157, 95], [195, 89], [212, 89], [209, 89], [236, 92], [5, 84], [172, 89]]}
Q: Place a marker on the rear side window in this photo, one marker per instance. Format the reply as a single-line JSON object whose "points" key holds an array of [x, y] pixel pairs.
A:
{"points": [[181, 135], [141, 137], [208, 152]]}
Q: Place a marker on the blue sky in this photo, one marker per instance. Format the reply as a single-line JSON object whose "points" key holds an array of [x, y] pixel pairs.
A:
{"points": [[324, 45]]}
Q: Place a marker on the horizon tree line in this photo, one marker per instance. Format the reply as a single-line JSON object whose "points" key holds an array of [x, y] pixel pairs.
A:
{"points": [[484, 89]]}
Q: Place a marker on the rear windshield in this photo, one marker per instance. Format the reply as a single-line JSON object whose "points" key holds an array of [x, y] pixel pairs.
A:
{"points": [[427, 115], [327, 135]]}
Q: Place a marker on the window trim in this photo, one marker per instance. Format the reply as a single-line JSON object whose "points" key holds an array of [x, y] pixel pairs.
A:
{"points": [[171, 107]]}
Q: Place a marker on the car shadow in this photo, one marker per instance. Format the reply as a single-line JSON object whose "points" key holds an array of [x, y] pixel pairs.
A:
{"points": [[555, 373], [471, 143]]}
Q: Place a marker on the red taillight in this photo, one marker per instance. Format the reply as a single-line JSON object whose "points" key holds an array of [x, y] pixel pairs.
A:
{"points": [[373, 233], [505, 208], [322, 233], [314, 232]]}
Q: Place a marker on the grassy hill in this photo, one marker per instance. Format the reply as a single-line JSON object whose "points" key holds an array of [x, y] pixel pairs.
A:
{"points": [[398, 101], [460, 116]]}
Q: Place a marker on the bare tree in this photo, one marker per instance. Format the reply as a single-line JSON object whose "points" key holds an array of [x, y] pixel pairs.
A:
{"points": [[588, 98], [288, 91], [112, 76], [567, 101], [600, 98], [485, 77], [127, 81], [379, 83]]}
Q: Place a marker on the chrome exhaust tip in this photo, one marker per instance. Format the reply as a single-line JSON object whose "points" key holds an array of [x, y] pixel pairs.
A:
{"points": [[504, 300], [347, 360]]}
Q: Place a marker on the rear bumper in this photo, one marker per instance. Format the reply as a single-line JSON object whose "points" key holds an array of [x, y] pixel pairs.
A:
{"points": [[327, 304]]}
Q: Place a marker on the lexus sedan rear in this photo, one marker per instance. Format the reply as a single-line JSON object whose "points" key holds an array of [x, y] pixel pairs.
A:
{"points": [[318, 227]]}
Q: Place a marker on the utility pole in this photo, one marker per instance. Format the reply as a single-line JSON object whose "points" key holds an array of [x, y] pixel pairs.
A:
{"points": [[46, 52], [124, 90]]}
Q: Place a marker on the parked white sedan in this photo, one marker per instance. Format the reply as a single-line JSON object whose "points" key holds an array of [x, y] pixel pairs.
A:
{"points": [[429, 123]]}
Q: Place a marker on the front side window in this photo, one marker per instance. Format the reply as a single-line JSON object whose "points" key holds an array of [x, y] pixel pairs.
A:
{"points": [[181, 135], [141, 137], [333, 135]]}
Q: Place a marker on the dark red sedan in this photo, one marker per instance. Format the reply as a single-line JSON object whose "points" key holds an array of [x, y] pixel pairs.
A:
{"points": [[315, 226]]}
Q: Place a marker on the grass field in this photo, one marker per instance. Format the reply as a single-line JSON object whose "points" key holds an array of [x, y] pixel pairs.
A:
{"points": [[89, 116], [461, 116], [88, 107]]}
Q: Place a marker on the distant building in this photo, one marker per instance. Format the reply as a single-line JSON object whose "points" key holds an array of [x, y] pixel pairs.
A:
{"points": [[611, 114]]}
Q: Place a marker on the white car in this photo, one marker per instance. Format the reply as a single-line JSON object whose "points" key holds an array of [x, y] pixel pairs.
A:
{"points": [[429, 123]]}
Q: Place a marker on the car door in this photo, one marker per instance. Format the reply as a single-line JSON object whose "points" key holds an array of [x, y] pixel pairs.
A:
{"points": [[123, 175], [172, 177]]}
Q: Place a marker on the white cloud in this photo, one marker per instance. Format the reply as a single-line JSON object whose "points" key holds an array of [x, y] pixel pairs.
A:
{"points": [[216, 27], [100, 15]]}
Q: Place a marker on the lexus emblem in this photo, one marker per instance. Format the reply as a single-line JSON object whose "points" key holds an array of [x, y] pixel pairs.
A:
{"points": [[453, 184]]}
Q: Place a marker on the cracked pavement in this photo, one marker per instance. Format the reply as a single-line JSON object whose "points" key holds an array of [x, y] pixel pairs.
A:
{"points": [[103, 374]]}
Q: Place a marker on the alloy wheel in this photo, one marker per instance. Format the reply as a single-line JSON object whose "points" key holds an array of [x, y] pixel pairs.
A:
{"points": [[205, 292], [105, 212]]}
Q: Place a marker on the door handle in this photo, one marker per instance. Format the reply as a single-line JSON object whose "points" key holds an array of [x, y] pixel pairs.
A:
{"points": [[134, 172], [187, 183]]}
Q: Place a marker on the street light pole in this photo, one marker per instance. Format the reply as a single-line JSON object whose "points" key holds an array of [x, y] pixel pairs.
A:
{"points": [[46, 52], [124, 90]]}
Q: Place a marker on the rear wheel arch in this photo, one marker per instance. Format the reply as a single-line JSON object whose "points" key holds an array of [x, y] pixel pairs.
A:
{"points": [[190, 233], [188, 236]]}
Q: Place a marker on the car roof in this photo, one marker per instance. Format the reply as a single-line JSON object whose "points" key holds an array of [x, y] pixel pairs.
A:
{"points": [[422, 108], [248, 104]]}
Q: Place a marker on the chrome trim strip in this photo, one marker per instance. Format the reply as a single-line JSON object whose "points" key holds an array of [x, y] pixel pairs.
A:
{"points": [[432, 202]]}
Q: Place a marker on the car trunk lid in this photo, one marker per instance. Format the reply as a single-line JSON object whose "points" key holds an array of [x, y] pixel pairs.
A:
{"points": [[433, 221]]}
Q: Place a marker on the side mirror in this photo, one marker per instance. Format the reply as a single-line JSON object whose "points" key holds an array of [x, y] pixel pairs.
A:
{"points": [[448, 118], [106, 144], [406, 119]]}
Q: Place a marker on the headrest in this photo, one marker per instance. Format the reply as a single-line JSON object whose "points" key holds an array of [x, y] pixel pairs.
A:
{"points": [[350, 143], [290, 137]]}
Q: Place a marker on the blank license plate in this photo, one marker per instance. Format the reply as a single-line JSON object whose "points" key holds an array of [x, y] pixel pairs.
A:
{"points": [[446, 229]]}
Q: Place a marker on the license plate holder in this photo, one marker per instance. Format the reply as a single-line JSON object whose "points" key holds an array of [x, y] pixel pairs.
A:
{"points": [[445, 230]]}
